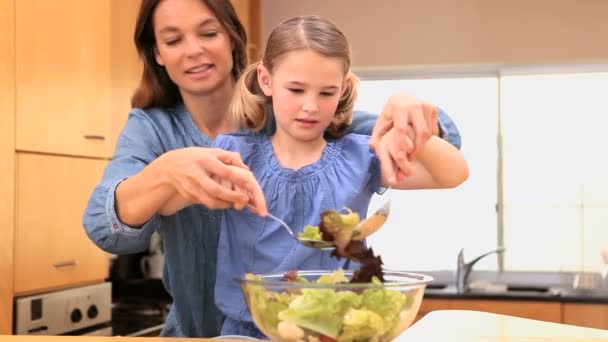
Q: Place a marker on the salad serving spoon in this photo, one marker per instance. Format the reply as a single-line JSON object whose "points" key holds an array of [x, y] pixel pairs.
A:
{"points": [[364, 229], [320, 244]]}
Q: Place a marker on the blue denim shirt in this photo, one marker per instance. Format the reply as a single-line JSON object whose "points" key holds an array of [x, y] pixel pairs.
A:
{"points": [[190, 237]]}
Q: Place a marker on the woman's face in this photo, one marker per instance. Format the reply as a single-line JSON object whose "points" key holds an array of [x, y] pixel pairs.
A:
{"points": [[193, 46], [305, 88]]}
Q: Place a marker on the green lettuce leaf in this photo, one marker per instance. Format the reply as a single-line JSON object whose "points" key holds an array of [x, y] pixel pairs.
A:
{"points": [[312, 233], [361, 325], [321, 310]]}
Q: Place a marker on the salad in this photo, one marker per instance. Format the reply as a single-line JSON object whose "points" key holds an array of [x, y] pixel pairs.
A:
{"points": [[340, 229], [334, 227], [326, 314]]}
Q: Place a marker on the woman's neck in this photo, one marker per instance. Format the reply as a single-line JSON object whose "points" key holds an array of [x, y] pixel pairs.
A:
{"points": [[295, 154], [210, 111]]}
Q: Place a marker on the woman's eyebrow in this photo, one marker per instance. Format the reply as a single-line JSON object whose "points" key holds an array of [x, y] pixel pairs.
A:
{"points": [[172, 29]]}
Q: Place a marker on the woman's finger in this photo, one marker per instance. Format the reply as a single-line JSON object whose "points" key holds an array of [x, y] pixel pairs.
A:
{"points": [[230, 158], [387, 165], [432, 118], [383, 125], [421, 130]]}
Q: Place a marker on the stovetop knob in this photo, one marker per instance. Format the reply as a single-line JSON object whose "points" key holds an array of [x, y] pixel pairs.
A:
{"points": [[76, 316], [92, 312]]}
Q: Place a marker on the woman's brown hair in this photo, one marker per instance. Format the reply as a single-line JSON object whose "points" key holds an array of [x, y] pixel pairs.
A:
{"points": [[156, 89], [249, 105]]}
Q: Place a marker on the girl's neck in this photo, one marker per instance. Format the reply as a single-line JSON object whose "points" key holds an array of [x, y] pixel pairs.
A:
{"points": [[210, 111], [295, 154]]}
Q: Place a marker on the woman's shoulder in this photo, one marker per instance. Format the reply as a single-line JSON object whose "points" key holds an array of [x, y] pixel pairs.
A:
{"points": [[241, 141], [154, 115]]}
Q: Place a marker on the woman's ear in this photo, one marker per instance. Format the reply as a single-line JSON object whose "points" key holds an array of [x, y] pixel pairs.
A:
{"points": [[159, 60], [264, 80]]}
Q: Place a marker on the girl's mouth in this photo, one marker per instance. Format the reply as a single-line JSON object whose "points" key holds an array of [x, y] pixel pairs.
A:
{"points": [[307, 121]]}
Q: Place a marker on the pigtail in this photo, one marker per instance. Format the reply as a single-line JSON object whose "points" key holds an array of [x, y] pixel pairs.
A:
{"points": [[248, 105], [346, 105]]}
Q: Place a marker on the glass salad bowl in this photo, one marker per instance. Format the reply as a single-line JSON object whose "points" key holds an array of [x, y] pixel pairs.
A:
{"points": [[323, 306]]}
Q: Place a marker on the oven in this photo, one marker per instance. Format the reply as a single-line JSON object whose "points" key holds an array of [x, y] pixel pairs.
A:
{"points": [[85, 310]]}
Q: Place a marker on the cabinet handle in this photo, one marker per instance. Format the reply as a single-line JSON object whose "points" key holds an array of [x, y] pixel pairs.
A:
{"points": [[94, 137], [65, 263]]}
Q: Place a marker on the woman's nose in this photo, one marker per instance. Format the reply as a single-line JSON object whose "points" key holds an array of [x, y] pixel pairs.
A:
{"points": [[193, 47]]}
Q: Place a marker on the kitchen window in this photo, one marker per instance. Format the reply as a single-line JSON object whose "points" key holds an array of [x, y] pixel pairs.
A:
{"points": [[535, 142]]}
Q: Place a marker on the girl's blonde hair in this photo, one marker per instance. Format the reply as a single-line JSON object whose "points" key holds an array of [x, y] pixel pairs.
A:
{"points": [[249, 105]]}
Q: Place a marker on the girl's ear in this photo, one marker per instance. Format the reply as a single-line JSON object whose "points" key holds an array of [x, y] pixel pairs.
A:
{"points": [[347, 82], [264, 80]]}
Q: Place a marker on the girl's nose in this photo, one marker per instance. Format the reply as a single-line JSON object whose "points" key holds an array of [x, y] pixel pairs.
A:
{"points": [[310, 105]]}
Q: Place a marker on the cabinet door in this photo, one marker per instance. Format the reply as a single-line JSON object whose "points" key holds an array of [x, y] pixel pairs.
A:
{"points": [[544, 311], [7, 156], [586, 315], [432, 304], [63, 76], [249, 12], [51, 246]]}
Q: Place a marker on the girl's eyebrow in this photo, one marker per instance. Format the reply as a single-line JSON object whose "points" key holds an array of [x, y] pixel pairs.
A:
{"points": [[206, 22], [297, 83]]}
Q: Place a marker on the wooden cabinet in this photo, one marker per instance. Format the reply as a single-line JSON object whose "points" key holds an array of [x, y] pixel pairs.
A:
{"points": [[76, 68], [586, 315], [7, 156], [580, 314], [540, 310], [249, 14], [51, 246]]}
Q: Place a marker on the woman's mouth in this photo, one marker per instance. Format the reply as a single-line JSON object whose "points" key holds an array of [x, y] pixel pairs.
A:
{"points": [[199, 70]]}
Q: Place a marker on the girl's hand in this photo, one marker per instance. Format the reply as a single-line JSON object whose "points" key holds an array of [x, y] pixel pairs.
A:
{"points": [[213, 177], [403, 114]]}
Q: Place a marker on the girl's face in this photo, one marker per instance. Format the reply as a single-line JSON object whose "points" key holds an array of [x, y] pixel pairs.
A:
{"points": [[193, 46], [305, 88]]}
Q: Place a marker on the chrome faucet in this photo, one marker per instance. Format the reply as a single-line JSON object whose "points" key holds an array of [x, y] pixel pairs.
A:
{"points": [[464, 269]]}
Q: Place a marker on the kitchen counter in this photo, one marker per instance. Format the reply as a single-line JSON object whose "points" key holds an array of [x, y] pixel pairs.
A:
{"points": [[443, 325], [537, 286]]}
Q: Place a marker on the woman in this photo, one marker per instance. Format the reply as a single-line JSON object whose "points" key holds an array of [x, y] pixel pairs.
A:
{"points": [[193, 52]]}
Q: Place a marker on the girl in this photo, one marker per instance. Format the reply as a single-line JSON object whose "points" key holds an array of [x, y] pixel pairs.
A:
{"points": [[192, 53], [308, 165]]}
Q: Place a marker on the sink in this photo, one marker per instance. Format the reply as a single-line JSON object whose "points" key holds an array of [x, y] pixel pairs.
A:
{"points": [[527, 288], [436, 286], [508, 284]]}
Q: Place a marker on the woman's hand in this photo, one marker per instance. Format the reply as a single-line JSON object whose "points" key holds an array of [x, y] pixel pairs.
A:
{"points": [[403, 115], [213, 177]]}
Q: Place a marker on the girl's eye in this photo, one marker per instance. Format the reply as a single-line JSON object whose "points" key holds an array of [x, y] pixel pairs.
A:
{"points": [[296, 91], [328, 94]]}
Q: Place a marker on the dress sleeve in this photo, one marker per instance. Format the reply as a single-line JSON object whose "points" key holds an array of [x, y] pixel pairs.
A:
{"points": [[364, 122], [137, 146]]}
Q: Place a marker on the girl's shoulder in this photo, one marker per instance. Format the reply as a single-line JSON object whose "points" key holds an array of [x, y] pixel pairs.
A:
{"points": [[354, 138], [352, 143]]}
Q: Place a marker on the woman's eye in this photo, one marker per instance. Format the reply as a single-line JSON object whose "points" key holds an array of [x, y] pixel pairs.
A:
{"points": [[209, 34], [172, 41], [296, 91]]}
